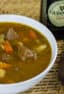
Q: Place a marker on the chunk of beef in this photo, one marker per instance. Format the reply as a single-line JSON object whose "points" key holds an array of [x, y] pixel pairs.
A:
{"points": [[24, 52], [11, 34]]}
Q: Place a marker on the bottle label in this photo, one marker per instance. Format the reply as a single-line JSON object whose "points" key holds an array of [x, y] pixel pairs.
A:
{"points": [[56, 13]]}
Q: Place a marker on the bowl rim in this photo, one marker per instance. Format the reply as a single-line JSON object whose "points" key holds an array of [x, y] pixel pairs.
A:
{"points": [[51, 63]]}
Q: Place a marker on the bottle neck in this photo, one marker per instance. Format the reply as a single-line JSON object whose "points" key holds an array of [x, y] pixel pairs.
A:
{"points": [[43, 10]]}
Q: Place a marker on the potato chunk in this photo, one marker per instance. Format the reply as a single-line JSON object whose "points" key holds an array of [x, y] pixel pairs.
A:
{"points": [[2, 73], [41, 48]]}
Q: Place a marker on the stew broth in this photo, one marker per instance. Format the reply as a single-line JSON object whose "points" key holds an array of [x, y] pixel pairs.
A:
{"points": [[24, 52]]}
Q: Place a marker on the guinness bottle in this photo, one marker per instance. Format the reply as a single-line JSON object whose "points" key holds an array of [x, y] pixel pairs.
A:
{"points": [[52, 15]]}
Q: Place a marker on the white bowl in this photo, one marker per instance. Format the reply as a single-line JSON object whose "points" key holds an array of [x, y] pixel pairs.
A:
{"points": [[23, 86]]}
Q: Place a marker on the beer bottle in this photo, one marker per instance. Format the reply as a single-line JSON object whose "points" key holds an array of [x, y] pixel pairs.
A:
{"points": [[52, 15]]}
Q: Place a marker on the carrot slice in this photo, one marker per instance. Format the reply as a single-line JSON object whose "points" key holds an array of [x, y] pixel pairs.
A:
{"points": [[32, 34], [4, 65], [7, 47]]}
